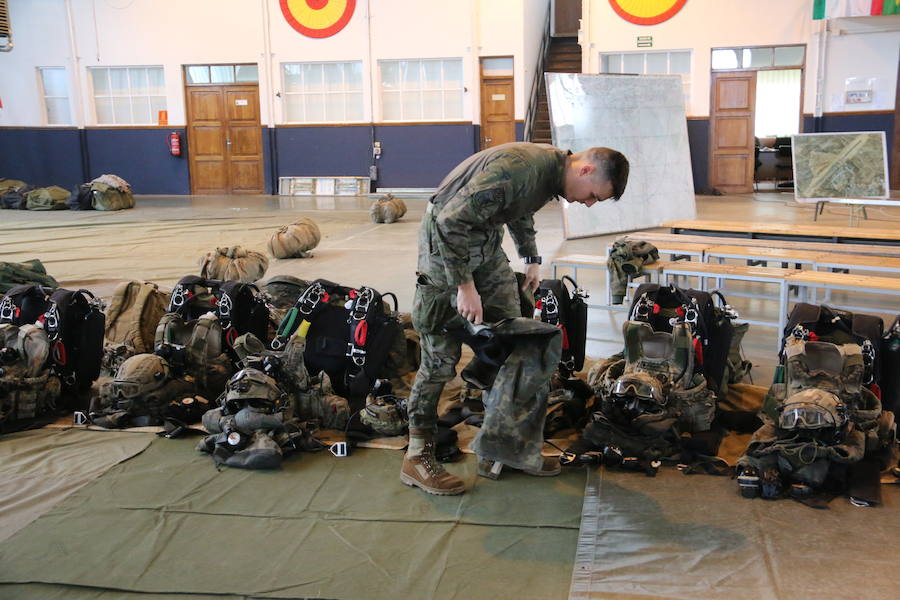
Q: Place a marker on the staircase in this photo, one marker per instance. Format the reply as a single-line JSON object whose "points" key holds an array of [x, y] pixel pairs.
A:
{"points": [[564, 57]]}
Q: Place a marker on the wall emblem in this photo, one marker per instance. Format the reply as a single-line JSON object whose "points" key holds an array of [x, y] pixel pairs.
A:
{"points": [[318, 18], [646, 12]]}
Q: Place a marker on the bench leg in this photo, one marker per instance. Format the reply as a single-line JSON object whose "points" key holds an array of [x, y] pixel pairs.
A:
{"points": [[782, 311]]}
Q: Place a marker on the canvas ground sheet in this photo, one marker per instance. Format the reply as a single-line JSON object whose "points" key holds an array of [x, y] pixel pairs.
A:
{"points": [[692, 536], [38, 469], [168, 523]]}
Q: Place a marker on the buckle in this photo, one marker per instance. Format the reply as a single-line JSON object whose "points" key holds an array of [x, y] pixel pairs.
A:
{"points": [[6, 309], [357, 355], [310, 298], [361, 305]]}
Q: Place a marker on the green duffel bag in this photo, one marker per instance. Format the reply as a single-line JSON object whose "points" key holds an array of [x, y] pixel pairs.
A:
{"points": [[106, 197], [48, 198]]}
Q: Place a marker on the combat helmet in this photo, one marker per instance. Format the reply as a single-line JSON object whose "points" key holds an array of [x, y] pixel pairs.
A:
{"points": [[251, 387], [814, 414]]}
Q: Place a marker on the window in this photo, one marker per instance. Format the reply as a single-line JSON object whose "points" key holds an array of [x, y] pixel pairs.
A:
{"points": [[676, 62], [765, 57], [55, 90], [425, 89], [322, 92], [215, 74], [128, 95], [777, 103]]}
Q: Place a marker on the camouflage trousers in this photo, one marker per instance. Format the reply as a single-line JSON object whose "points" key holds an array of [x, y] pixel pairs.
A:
{"points": [[434, 307]]}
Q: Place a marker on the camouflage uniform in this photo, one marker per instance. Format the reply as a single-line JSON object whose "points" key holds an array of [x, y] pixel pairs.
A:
{"points": [[460, 240]]}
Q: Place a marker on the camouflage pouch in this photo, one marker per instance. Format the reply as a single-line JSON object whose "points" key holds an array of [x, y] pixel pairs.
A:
{"points": [[431, 306]]}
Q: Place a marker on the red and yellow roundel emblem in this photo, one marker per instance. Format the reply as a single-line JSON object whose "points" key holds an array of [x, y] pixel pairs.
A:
{"points": [[646, 12], [318, 18]]}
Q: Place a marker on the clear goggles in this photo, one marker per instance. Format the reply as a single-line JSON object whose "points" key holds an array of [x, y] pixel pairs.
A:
{"points": [[631, 387], [808, 416], [126, 389]]}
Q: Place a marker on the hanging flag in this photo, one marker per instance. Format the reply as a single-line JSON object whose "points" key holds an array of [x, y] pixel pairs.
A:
{"points": [[834, 9]]}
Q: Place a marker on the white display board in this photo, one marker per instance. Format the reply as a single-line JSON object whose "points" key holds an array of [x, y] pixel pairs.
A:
{"points": [[643, 118]]}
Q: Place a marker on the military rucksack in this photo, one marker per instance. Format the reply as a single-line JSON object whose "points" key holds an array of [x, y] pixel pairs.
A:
{"points": [[133, 314], [195, 348], [28, 388], [24, 304], [12, 194], [48, 198], [568, 311], [107, 197], [75, 323]]}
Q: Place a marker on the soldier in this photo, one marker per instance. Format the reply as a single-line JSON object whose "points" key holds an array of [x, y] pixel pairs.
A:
{"points": [[462, 269]]}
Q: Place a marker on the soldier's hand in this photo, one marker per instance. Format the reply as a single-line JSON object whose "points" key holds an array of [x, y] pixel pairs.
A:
{"points": [[468, 303], [532, 277]]}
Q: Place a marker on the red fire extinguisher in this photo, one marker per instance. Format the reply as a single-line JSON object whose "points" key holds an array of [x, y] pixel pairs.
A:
{"points": [[175, 143]]}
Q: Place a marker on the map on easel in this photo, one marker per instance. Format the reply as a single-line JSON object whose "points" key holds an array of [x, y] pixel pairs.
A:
{"points": [[834, 166]]}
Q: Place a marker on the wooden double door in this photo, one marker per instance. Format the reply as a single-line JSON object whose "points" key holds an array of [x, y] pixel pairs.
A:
{"points": [[224, 136]]}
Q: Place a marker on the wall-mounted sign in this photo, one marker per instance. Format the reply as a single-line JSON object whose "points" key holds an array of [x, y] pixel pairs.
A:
{"points": [[318, 18], [240, 102], [646, 12], [645, 41]]}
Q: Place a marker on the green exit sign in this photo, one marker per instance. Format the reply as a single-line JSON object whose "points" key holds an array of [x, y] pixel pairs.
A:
{"points": [[645, 41]]}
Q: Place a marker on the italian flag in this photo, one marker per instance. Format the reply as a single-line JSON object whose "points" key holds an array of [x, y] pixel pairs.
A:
{"points": [[833, 9]]}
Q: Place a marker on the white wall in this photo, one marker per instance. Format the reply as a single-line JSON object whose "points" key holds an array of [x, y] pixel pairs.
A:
{"points": [[172, 33], [864, 56], [700, 26], [22, 103]]}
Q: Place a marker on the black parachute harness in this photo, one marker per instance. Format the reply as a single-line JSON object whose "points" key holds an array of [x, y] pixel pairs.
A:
{"points": [[300, 316], [546, 300]]}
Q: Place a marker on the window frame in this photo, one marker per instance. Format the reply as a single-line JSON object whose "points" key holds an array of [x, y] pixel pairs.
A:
{"points": [[345, 92], [44, 97], [771, 67], [686, 82], [442, 89], [130, 95]]}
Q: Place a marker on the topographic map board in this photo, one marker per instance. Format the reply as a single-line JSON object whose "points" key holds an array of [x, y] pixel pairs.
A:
{"points": [[837, 167], [643, 118]]}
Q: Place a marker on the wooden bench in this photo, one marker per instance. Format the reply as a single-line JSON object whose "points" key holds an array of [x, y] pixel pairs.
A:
{"points": [[788, 231], [592, 261], [852, 282], [704, 271]]}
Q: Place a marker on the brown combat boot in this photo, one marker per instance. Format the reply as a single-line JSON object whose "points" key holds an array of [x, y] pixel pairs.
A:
{"points": [[422, 469]]}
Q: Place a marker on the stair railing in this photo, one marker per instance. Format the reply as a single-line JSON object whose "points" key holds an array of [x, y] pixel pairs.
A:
{"points": [[538, 79]]}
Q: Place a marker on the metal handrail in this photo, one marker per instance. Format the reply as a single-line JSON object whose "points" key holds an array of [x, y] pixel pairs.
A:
{"points": [[538, 79]]}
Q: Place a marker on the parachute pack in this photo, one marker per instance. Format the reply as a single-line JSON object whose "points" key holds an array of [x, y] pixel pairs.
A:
{"points": [[350, 343], [568, 311]]}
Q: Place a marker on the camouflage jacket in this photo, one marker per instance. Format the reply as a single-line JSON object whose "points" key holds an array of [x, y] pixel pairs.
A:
{"points": [[504, 185]]}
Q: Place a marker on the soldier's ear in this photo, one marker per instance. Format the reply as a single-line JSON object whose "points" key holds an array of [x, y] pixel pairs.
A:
{"points": [[586, 169]]}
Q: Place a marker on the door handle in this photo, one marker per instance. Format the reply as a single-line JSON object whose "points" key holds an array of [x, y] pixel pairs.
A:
{"points": [[228, 141]]}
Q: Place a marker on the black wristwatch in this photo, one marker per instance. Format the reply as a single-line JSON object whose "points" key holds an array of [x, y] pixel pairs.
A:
{"points": [[532, 260]]}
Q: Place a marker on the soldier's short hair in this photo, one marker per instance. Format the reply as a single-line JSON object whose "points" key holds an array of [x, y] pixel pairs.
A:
{"points": [[611, 165]]}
